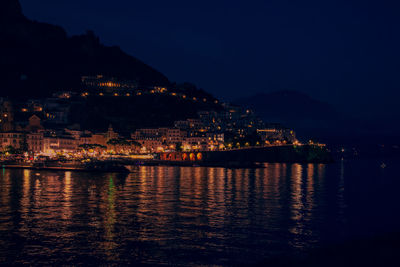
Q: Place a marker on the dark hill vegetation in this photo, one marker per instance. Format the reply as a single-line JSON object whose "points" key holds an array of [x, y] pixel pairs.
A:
{"points": [[129, 113], [39, 58]]}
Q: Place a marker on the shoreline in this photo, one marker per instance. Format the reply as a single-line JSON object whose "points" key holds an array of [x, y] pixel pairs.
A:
{"points": [[243, 158]]}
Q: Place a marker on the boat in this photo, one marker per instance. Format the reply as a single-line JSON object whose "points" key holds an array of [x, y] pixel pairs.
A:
{"points": [[92, 166]]}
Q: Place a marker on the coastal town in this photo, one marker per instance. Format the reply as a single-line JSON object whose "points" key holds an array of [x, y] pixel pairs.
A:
{"points": [[199, 133], [42, 128]]}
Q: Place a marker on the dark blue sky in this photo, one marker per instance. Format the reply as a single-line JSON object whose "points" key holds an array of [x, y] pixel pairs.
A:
{"points": [[344, 52]]}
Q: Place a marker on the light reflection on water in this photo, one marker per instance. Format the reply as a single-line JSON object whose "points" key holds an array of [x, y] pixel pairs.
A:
{"points": [[175, 215]]}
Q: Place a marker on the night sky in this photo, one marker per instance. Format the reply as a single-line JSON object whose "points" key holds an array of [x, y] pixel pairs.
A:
{"points": [[343, 52]]}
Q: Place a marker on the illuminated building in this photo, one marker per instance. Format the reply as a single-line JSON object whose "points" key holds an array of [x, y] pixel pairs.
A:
{"points": [[189, 124], [111, 134], [11, 139], [35, 142], [159, 89], [107, 84], [278, 133], [59, 143], [151, 145], [34, 124]]}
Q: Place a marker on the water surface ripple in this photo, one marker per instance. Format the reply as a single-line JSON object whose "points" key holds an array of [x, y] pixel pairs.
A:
{"points": [[191, 215]]}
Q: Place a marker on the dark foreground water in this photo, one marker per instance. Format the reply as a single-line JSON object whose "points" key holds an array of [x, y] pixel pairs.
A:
{"points": [[193, 216]]}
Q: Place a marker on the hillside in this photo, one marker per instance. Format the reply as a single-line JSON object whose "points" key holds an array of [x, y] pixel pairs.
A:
{"points": [[39, 58], [310, 117], [129, 113], [289, 106]]}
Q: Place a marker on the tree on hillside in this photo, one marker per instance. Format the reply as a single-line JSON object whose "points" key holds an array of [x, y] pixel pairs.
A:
{"points": [[122, 143], [178, 146]]}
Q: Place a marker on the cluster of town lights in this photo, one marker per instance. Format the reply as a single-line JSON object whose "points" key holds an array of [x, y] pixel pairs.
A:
{"points": [[138, 93]]}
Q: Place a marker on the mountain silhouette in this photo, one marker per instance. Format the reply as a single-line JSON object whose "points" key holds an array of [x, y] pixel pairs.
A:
{"points": [[310, 117], [10, 9], [316, 120], [39, 58], [289, 106]]}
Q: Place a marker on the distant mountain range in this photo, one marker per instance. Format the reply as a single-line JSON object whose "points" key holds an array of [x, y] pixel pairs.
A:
{"points": [[315, 119], [308, 116], [38, 58], [289, 106]]}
